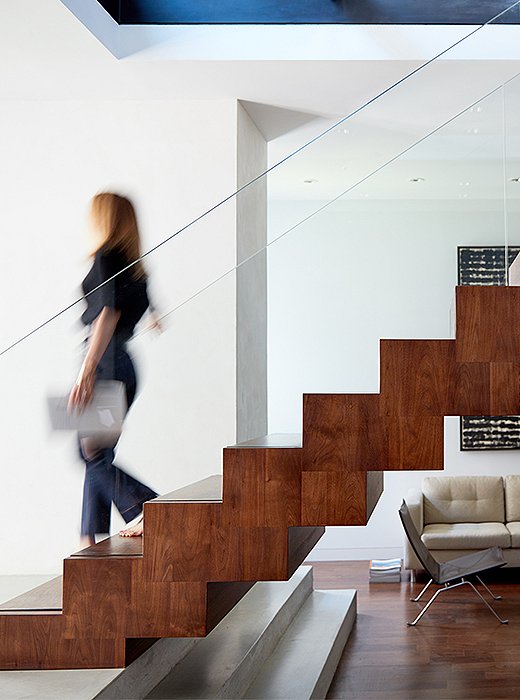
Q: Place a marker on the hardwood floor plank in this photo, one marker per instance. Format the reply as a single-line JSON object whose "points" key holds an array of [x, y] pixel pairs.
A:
{"points": [[457, 652]]}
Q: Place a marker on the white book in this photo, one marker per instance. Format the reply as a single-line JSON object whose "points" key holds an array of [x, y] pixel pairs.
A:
{"points": [[385, 564]]}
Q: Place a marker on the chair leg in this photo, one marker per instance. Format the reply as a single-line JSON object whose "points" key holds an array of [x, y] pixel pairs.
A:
{"points": [[447, 587], [412, 624], [423, 591], [495, 597], [504, 622]]}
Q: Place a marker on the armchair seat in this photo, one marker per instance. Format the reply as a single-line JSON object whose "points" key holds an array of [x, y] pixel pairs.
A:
{"points": [[461, 536], [514, 531]]}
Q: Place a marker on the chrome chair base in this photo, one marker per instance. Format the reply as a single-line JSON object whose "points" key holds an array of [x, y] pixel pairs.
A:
{"points": [[449, 586]]}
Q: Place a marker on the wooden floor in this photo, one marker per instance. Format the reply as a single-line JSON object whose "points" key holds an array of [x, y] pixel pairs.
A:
{"points": [[458, 650]]}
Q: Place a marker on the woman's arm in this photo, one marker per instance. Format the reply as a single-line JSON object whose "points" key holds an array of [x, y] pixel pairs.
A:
{"points": [[102, 331]]}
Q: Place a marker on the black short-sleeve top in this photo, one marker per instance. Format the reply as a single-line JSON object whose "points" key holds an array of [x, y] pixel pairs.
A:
{"points": [[124, 293]]}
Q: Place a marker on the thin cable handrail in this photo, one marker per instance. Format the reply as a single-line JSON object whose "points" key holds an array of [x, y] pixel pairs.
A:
{"points": [[266, 172]]}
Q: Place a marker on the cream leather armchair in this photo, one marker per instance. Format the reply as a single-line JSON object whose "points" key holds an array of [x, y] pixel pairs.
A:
{"points": [[457, 515]]}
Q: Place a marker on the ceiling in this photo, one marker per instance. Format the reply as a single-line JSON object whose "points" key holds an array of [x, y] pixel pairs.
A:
{"points": [[309, 12], [47, 54]]}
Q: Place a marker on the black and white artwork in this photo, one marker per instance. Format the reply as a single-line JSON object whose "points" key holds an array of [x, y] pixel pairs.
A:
{"points": [[487, 265]]}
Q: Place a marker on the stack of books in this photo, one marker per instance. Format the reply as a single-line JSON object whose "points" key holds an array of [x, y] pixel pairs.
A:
{"points": [[385, 570]]}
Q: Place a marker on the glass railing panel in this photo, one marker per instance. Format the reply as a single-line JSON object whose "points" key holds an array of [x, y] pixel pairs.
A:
{"points": [[381, 261], [511, 97], [375, 133]]}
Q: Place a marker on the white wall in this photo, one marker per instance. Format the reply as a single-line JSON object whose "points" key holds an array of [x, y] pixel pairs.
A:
{"points": [[176, 158], [357, 272]]}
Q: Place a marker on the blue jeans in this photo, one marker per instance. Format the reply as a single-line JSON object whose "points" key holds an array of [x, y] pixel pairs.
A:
{"points": [[104, 481]]}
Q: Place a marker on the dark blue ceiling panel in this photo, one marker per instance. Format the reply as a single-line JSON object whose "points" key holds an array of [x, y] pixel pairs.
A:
{"points": [[308, 11], [112, 7]]}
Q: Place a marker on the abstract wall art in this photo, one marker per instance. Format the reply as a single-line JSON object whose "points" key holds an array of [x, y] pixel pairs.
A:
{"points": [[485, 265]]}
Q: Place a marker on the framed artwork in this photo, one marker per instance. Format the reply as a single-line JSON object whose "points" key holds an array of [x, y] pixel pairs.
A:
{"points": [[487, 265]]}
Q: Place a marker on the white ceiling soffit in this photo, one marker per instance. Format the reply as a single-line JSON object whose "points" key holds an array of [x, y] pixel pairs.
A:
{"points": [[274, 122], [293, 42]]}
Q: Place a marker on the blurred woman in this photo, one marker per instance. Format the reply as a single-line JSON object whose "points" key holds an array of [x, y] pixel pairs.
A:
{"points": [[112, 313]]}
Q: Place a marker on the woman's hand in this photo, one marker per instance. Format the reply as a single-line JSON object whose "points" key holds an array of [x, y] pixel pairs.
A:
{"points": [[155, 323], [82, 391]]}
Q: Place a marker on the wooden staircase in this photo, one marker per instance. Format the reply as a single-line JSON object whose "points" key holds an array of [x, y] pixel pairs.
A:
{"points": [[203, 548]]}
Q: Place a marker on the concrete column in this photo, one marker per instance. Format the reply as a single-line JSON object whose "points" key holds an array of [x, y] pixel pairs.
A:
{"points": [[251, 280]]}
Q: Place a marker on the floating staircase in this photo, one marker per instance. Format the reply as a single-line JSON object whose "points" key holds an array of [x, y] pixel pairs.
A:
{"points": [[205, 546]]}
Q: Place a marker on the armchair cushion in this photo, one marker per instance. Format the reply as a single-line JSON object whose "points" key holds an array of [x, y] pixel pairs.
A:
{"points": [[514, 531], [512, 496], [467, 535], [464, 499]]}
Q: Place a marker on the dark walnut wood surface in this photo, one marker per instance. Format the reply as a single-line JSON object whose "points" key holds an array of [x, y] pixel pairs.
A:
{"points": [[205, 545]]}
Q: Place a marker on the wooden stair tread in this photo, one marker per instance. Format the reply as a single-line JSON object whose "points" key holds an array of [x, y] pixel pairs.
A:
{"points": [[209, 489], [115, 546], [274, 440], [45, 597]]}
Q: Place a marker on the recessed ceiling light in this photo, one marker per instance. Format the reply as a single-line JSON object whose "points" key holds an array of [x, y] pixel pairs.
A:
{"points": [[417, 179], [472, 131]]}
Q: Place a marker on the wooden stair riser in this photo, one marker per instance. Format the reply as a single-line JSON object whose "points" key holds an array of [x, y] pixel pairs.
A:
{"points": [[41, 642], [112, 599], [347, 433], [334, 498], [261, 487], [423, 378], [212, 549], [488, 323]]}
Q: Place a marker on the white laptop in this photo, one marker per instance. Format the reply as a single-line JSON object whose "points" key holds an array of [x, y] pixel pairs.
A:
{"points": [[105, 414]]}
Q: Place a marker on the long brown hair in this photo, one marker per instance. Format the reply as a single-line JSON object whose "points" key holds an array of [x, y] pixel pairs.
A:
{"points": [[115, 221]]}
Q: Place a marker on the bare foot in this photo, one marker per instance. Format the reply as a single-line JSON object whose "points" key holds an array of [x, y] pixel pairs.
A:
{"points": [[87, 541], [134, 531]]}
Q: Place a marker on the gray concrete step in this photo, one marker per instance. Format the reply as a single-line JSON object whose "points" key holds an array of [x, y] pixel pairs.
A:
{"points": [[223, 664], [304, 662]]}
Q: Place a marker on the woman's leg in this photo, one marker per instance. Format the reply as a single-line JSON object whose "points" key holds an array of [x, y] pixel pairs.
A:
{"points": [[98, 493], [130, 494], [104, 481]]}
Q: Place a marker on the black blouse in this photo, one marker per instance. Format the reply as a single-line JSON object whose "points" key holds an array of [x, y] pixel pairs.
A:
{"points": [[124, 293]]}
